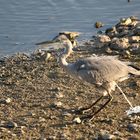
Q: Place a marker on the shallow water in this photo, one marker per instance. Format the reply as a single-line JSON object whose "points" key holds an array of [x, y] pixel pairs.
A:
{"points": [[24, 23]]}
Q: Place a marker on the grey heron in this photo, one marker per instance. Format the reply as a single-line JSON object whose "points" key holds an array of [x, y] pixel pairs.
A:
{"points": [[102, 71], [71, 36]]}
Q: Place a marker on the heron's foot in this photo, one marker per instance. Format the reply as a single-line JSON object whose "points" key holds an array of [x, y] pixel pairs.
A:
{"points": [[83, 110], [87, 110], [78, 111], [87, 118]]}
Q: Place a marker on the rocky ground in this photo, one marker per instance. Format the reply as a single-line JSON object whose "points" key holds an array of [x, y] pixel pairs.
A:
{"points": [[37, 99]]}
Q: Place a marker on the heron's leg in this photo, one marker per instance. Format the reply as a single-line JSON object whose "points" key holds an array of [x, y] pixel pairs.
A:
{"points": [[84, 109], [124, 96], [91, 116]]}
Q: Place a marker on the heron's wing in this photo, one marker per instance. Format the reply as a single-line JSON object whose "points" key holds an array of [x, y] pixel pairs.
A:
{"points": [[101, 69], [87, 72]]}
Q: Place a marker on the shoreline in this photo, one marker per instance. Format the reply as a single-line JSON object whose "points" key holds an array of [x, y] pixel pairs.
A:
{"points": [[36, 97]]}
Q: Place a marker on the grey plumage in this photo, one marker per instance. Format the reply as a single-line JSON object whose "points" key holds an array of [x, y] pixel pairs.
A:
{"points": [[94, 70], [103, 71]]}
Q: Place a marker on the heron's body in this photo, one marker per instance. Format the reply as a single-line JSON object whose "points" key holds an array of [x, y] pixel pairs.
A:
{"points": [[100, 71], [103, 71]]}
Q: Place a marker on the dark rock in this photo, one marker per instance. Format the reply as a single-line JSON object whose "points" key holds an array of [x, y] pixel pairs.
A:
{"points": [[133, 127], [98, 24]]}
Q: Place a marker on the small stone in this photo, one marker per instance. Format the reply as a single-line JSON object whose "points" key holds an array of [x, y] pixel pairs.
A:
{"points": [[126, 54], [42, 119], [48, 55], [52, 137], [134, 39], [108, 50], [10, 124], [77, 120], [98, 24], [104, 135], [101, 40], [53, 118], [111, 32], [117, 133], [107, 121], [125, 22], [100, 32], [138, 83], [133, 18], [133, 138], [119, 43], [5, 101], [66, 114], [133, 127], [58, 104], [135, 46], [8, 100], [57, 89], [135, 49], [59, 95], [30, 114]]}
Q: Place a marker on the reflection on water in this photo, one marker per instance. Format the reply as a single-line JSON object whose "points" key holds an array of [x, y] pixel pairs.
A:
{"points": [[24, 23]]}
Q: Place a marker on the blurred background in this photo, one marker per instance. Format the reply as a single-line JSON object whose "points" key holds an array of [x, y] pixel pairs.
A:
{"points": [[24, 23]]}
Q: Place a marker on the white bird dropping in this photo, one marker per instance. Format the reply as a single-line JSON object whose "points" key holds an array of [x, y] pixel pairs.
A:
{"points": [[134, 110]]}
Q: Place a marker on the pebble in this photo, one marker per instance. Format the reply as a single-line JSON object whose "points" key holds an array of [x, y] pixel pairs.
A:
{"points": [[57, 89], [108, 50], [126, 54], [48, 55], [111, 32], [119, 43], [135, 46], [58, 104], [104, 38], [104, 135], [8, 100], [59, 95], [10, 124], [125, 22], [67, 114], [134, 39], [42, 119], [133, 138], [117, 133], [132, 127], [101, 40], [5, 101], [51, 138], [98, 24], [108, 121], [77, 120], [138, 83]]}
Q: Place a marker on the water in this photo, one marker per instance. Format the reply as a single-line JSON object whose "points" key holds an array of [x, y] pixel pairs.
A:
{"points": [[24, 23]]}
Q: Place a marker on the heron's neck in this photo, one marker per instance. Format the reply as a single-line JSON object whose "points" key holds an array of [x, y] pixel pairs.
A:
{"points": [[64, 55]]}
